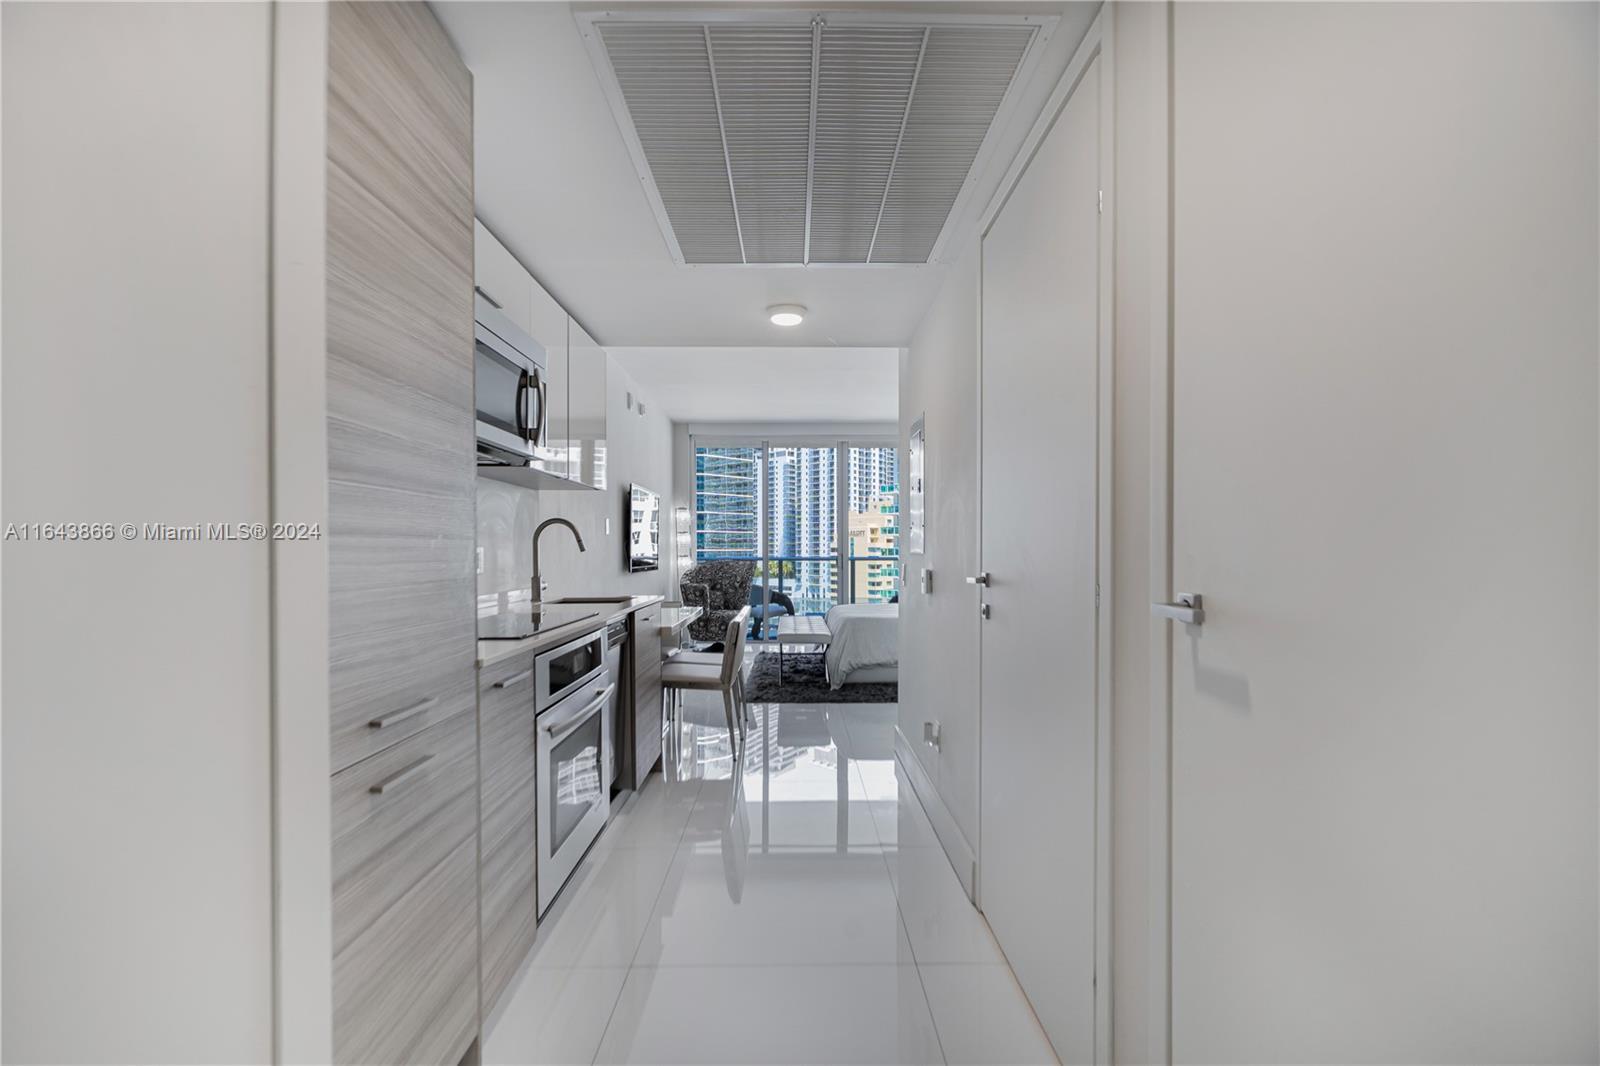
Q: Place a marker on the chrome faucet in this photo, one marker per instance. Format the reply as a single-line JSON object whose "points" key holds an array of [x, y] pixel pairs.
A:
{"points": [[538, 581]]}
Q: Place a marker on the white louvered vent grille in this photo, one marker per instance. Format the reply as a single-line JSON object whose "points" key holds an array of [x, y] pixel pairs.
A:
{"points": [[808, 142]]}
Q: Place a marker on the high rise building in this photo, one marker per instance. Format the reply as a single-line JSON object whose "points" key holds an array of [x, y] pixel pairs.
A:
{"points": [[874, 545], [794, 505], [727, 502]]}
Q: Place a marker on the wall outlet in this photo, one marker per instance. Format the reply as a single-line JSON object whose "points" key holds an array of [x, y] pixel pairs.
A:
{"points": [[480, 558]]}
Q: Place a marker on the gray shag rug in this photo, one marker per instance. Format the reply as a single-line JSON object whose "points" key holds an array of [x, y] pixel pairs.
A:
{"points": [[805, 681]]}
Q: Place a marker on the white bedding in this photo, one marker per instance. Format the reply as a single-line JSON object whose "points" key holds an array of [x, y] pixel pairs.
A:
{"points": [[863, 635]]}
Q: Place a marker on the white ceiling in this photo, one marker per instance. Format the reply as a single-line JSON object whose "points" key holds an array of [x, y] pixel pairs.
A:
{"points": [[555, 183], [766, 384]]}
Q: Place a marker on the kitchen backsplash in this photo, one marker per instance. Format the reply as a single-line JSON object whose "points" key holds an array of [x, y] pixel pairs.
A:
{"points": [[638, 448]]}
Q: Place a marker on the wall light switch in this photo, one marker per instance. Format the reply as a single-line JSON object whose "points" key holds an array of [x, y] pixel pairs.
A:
{"points": [[608, 527], [930, 735], [925, 579], [480, 559]]}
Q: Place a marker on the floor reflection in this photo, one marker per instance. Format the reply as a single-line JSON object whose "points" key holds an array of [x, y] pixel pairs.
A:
{"points": [[781, 901], [803, 771]]}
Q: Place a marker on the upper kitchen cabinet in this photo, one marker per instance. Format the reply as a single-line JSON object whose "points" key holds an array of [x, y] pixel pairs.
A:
{"points": [[549, 328], [586, 410], [574, 449], [500, 279]]}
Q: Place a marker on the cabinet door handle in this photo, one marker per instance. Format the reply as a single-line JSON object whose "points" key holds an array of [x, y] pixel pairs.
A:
{"points": [[389, 784], [492, 301], [395, 717], [515, 679]]}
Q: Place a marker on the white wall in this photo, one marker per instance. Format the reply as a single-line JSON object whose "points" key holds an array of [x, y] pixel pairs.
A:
{"points": [[939, 631], [638, 448], [137, 863]]}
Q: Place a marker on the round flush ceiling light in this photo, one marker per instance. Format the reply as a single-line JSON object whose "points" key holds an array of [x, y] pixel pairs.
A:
{"points": [[786, 314]]}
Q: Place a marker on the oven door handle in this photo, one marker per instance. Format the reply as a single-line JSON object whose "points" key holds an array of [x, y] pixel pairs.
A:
{"points": [[564, 728]]}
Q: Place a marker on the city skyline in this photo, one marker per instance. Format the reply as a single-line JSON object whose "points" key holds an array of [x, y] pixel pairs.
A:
{"points": [[799, 498]]}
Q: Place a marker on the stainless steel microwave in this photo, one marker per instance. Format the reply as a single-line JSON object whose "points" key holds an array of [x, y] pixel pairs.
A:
{"points": [[512, 389]]}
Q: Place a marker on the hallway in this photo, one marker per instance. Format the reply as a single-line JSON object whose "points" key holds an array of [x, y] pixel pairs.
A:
{"points": [[807, 916]]}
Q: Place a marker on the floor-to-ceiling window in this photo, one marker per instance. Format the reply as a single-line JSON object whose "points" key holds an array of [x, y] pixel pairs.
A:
{"points": [[872, 524], [819, 521], [727, 503], [803, 526]]}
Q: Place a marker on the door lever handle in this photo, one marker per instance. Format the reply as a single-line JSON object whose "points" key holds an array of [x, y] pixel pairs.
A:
{"points": [[982, 578], [1185, 608]]}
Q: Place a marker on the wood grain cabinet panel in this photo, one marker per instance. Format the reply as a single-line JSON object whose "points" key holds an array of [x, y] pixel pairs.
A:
{"points": [[401, 522], [396, 816], [405, 990], [509, 830], [646, 643]]}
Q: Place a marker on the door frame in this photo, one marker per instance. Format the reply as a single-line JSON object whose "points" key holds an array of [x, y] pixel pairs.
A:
{"points": [[1096, 44], [1158, 959]]}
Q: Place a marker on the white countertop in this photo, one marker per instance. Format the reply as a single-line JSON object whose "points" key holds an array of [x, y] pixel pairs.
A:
{"points": [[674, 619], [493, 651]]}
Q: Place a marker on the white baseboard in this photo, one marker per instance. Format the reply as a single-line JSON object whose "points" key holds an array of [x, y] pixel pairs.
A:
{"points": [[962, 858]]}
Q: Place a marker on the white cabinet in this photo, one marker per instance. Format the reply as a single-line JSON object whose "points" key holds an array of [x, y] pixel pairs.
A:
{"points": [[498, 276], [549, 328], [586, 410], [575, 373]]}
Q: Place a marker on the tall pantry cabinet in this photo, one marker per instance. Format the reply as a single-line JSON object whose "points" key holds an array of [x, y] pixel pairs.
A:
{"points": [[400, 428]]}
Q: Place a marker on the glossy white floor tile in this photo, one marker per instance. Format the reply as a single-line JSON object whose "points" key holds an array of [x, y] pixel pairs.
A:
{"points": [[788, 905], [601, 915], [654, 817], [982, 1016], [772, 1014], [781, 908], [554, 1016]]}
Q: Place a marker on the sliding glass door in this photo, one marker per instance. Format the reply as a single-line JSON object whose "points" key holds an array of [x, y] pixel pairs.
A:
{"points": [[818, 521]]}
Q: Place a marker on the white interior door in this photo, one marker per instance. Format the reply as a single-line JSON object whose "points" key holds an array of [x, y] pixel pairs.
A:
{"points": [[1039, 452], [1384, 485]]}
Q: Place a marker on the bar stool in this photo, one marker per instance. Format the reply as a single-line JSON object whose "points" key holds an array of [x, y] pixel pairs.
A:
{"points": [[724, 673]]}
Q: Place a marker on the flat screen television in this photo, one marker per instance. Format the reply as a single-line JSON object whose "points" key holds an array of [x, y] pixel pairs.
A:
{"points": [[644, 529]]}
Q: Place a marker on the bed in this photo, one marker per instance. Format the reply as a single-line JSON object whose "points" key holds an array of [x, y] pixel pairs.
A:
{"points": [[864, 646]]}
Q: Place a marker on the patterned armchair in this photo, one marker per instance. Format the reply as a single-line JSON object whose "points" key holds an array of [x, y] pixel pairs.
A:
{"points": [[722, 587]]}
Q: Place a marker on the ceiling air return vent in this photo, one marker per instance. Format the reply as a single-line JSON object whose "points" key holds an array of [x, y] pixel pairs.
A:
{"points": [[798, 137]]}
